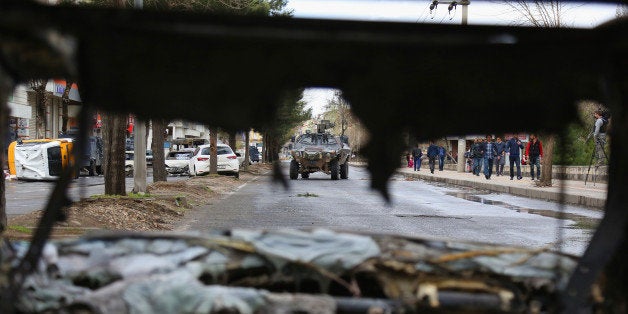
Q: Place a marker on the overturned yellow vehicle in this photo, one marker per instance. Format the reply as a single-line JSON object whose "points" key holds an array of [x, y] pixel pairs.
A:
{"points": [[320, 151], [40, 159]]}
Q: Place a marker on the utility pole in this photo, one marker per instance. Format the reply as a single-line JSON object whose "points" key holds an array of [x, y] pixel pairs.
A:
{"points": [[452, 5], [139, 143], [462, 143], [465, 11], [139, 156]]}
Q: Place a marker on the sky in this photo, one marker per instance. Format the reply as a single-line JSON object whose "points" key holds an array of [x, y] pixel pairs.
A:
{"points": [[580, 15]]}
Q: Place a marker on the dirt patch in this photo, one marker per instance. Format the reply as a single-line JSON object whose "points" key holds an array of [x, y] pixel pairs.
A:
{"points": [[165, 205]]}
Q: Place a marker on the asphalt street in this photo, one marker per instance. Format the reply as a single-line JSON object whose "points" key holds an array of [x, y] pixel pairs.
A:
{"points": [[418, 208], [24, 197]]}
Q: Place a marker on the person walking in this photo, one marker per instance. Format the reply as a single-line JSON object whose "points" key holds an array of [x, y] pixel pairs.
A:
{"points": [[599, 136], [513, 147], [534, 153], [477, 154], [441, 158], [416, 155], [489, 155], [432, 153], [500, 159]]}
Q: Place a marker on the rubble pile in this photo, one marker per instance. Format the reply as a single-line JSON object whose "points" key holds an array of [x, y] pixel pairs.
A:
{"points": [[250, 271]]}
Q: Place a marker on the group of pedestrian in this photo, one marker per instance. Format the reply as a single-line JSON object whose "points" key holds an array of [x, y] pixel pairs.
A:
{"points": [[433, 152], [484, 153]]}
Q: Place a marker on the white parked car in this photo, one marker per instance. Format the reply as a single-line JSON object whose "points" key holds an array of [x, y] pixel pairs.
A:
{"points": [[178, 162], [227, 160], [240, 154], [129, 163]]}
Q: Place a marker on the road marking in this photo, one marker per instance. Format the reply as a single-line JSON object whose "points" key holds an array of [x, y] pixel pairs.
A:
{"points": [[242, 185]]}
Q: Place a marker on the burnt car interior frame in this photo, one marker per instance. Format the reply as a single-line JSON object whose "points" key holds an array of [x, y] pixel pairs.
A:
{"points": [[391, 73]]}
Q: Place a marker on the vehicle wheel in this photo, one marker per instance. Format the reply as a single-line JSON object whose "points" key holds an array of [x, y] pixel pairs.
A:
{"points": [[91, 169], [98, 170], [333, 166], [344, 170], [305, 175], [294, 170], [236, 175]]}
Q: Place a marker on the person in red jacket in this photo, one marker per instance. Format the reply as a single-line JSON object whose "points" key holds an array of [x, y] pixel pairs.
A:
{"points": [[534, 153]]}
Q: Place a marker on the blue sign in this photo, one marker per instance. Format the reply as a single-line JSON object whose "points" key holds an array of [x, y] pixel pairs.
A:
{"points": [[59, 88]]}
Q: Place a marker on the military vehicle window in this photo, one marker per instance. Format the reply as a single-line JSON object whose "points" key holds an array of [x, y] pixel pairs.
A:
{"points": [[307, 139]]}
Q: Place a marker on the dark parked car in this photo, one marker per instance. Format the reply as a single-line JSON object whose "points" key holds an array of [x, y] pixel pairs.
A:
{"points": [[254, 154]]}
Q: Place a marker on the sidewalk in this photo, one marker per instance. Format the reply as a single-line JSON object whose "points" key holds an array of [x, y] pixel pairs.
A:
{"points": [[576, 193]]}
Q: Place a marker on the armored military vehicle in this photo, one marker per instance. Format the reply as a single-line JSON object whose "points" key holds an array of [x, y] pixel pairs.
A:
{"points": [[320, 151]]}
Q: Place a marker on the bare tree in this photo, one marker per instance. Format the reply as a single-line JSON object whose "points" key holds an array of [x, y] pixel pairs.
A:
{"points": [[542, 14], [539, 13], [622, 10], [346, 123]]}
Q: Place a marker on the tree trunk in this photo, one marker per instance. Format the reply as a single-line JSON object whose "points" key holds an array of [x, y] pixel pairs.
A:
{"points": [[232, 140], [247, 156], [65, 101], [271, 147], [39, 86], [213, 158], [113, 131], [265, 148], [5, 90], [546, 161], [157, 146]]}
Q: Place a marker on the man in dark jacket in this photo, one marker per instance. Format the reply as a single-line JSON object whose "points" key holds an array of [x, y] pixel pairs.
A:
{"points": [[432, 153], [489, 154], [500, 160], [513, 147], [478, 155], [441, 158], [416, 156]]}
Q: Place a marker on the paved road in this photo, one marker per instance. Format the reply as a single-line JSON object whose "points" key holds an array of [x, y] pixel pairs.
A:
{"points": [[26, 196], [419, 208]]}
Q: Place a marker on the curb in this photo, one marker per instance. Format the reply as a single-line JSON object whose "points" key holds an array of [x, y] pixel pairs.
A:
{"points": [[573, 199]]}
